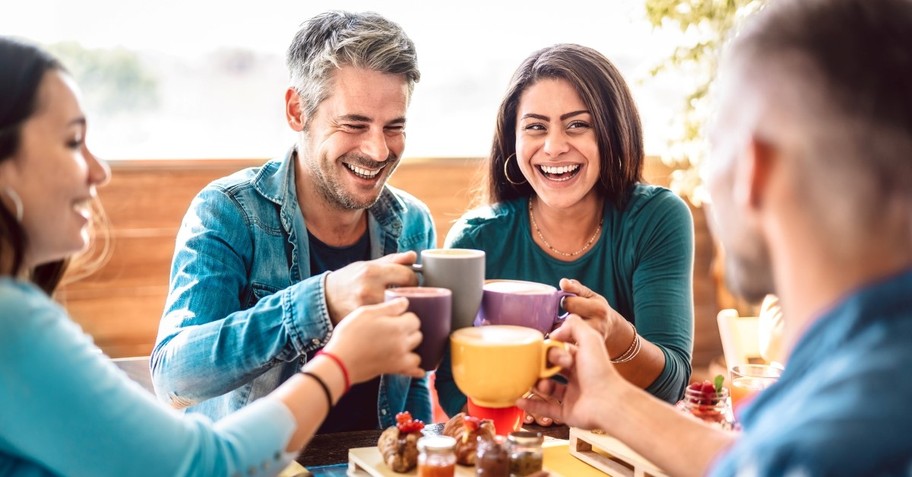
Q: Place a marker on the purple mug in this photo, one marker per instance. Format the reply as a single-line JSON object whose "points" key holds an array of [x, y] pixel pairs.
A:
{"points": [[434, 307], [521, 303]]}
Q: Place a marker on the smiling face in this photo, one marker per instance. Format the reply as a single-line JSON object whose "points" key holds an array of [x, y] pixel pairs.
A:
{"points": [[54, 173], [354, 141], [556, 146]]}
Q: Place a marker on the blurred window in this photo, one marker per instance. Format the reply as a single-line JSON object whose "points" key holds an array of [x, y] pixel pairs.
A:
{"points": [[206, 79]]}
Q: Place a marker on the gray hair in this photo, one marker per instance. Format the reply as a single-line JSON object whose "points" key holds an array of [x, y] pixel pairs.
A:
{"points": [[334, 39], [837, 74]]}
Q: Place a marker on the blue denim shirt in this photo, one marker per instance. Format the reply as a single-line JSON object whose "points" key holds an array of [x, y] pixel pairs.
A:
{"points": [[243, 308], [842, 406]]}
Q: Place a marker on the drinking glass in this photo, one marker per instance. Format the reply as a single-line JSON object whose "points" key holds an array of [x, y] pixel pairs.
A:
{"points": [[749, 379]]}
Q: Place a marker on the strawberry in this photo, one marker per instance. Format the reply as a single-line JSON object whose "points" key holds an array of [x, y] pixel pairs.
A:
{"points": [[406, 424], [471, 423]]}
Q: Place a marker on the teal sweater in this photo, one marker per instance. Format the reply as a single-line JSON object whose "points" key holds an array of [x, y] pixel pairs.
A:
{"points": [[642, 264]]}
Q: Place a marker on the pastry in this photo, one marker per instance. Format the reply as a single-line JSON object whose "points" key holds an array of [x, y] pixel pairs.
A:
{"points": [[466, 430], [399, 444]]}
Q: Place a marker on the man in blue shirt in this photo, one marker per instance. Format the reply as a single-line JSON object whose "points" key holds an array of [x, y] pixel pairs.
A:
{"points": [[811, 185], [269, 259]]}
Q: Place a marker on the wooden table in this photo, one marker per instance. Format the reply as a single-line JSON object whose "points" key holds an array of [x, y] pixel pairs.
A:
{"points": [[330, 449]]}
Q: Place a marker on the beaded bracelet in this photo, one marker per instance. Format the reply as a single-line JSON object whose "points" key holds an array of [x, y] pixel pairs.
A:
{"points": [[341, 366], [632, 351], [329, 400]]}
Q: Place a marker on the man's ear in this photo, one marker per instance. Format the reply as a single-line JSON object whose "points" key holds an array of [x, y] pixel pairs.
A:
{"points": [[294, 112], [753, 175]]}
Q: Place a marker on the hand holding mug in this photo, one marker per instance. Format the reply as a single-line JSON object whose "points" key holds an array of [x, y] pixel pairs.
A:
{"points": [[592, 307], [363, 283], [355, 341], [592, 381]]}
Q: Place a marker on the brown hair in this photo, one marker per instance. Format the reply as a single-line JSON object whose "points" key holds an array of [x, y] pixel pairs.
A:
{"points": [[24, 67], [615, 119]]}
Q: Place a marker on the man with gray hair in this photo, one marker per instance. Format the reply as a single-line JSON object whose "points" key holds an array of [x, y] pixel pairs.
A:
{"points": [[269, 259], [811, 185]]}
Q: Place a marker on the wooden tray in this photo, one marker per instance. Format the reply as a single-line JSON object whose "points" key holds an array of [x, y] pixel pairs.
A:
{"points": [[367, 461], [610, 455]]}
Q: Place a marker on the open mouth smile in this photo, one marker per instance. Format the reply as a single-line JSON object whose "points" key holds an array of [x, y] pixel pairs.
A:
{"points": [[362, 172], [559, 173]]}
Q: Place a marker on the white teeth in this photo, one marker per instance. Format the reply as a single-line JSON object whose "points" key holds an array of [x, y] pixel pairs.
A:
{"points": [[560, 169], [84, 209], [362, 172]]}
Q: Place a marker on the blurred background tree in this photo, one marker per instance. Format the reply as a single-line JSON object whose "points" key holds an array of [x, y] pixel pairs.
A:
{"points": [[705, 25], [113, 80]]}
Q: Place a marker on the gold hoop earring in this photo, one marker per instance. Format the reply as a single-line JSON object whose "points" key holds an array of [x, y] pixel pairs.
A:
{"points": [[17, 201], [507, 174]]}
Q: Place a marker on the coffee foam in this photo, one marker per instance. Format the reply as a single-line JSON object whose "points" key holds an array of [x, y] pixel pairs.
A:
{"points": [[453, 252], [418, 291], [497, 335], [519, 287]]}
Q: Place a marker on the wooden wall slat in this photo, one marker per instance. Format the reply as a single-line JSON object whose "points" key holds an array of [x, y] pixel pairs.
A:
{"points": [[121, 303]]}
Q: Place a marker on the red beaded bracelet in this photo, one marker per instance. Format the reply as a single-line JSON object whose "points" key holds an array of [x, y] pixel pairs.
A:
{"points": [[341, 366]]}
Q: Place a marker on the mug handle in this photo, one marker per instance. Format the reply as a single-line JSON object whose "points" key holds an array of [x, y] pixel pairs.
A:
{"points": [[547, 372], [419, 270], [559, 320]]}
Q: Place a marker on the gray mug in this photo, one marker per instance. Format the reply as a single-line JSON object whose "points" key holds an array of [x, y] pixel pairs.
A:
{"points": [[462, 271]]}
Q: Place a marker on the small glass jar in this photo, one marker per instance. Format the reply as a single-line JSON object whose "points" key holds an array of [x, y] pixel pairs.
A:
{"points": [[436, 456], [714, 409], [492, 459], [526, 455]]}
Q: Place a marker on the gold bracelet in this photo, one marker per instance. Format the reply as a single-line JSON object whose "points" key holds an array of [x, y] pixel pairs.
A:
{"points": [[632, 351]]}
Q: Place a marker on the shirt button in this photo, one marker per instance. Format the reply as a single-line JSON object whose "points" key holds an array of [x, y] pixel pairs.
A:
{"points": [[315, 341], [277, 456], [383, 411]]}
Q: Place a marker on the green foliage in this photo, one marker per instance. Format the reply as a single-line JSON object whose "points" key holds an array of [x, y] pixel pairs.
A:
{"points": [[705, 26], [112, 80]]}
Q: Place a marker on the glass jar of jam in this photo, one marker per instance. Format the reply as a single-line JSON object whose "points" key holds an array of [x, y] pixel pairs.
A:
{"points": [[436, 456], [492, 459], [526, 455]]}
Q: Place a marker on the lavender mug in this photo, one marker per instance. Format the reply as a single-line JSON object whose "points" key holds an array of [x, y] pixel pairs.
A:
{"points": [[521, 303]]}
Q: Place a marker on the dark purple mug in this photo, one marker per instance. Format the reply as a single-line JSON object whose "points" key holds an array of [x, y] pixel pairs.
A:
{"points": [[434, 307], [521, 303]]}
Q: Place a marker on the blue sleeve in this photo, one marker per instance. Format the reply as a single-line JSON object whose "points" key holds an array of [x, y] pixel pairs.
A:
{"points": [[663, 289], [66, 408], [418, 400], [208, 315]]}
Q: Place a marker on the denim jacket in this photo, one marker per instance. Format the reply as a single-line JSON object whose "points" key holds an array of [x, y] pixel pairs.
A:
{"points": [[243, 309]]}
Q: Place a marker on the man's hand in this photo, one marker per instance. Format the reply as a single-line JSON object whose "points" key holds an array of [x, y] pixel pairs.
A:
{"points": [[590, 375], [363, 283]]}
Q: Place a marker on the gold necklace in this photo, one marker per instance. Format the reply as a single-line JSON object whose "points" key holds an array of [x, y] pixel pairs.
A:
{"points": [[598, 230]]}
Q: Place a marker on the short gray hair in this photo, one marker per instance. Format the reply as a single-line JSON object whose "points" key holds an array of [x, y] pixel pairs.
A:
{"points": [[334, 39], [840, 70]]}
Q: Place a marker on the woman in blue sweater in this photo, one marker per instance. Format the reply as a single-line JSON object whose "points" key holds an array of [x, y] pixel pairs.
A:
{"points": [[65, 409], [564, 204]]}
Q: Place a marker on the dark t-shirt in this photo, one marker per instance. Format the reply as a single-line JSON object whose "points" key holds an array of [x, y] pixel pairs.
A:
{"points": [[357, 410]]}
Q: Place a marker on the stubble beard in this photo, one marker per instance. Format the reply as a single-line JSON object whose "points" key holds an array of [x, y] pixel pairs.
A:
{"points": [[335, 195], [750, 276]]}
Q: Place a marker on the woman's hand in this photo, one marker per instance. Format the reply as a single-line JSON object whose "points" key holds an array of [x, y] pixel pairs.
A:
{"points": [[378, 339], [591, 306]]}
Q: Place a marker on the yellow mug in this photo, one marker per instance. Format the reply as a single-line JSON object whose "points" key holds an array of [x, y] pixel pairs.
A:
{"points": [[496, 365]]}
